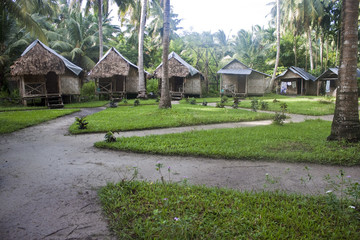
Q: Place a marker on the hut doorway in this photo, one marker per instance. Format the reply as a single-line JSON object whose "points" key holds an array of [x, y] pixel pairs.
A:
{"points": [[177, 84], [52, 83], [119, 82], [241, 84]]}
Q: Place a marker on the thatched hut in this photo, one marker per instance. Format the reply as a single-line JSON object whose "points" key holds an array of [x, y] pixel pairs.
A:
{"points": [[184, 79], [296, 81], [45, 74], [115, 75], [327, 81], [236, 79]]}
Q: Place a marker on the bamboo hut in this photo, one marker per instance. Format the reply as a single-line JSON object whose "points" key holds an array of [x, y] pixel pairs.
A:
{"points": [[296, 81], [238, 80], [43, 73], [184, 79], [327, 81], [115, 76]]}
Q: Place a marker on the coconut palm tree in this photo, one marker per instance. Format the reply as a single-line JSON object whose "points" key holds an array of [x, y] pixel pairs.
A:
{"points": [[271, 85], [346, 125], [141, 87], [165, 101]]}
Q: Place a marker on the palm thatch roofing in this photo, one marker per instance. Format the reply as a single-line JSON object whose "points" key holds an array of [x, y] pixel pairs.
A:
{"points": [[298, 71], [112, 63], [233, 69], [39, 59], [178, 67]]}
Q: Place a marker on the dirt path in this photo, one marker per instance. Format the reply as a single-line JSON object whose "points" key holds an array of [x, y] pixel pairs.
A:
{"points": [[49, 179]]}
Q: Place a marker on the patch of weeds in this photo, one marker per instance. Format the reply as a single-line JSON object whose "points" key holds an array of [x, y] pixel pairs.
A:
{"points": [[81, 122], [275, 100], [110, 137], [136, 102], [264, 105], [254, 105], [279, 118], [224, 99], [236, 103], [220, 105], [204, 103], [125, 101], [113, 104], [157, 99], [193, 101]]}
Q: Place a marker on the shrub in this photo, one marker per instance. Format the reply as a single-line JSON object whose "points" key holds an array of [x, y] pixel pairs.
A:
{"points": [[283, 107], [204, 103], [193, 101], [109, 137], [279, 118], [275, 100], [81, 122], [125, 101], [87, 92]]}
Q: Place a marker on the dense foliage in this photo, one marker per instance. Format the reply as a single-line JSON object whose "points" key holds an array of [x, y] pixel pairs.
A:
{"points": [[72, 30]]}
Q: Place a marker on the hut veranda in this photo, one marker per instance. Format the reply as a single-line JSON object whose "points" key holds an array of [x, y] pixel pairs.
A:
{"points": [[43, 73], [296, 81], [184, 79], [238, 80], [115, 76]]}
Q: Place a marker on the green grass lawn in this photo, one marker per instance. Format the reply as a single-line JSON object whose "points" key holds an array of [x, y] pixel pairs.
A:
{"points": [[130, 102], [15, 120], [149, 117], [6, 108], [305, 106], [91, 104], [143, 210], [293, 142]]}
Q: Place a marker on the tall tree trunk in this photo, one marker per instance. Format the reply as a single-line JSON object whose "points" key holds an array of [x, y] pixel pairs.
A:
{"points": [[295, 49], [206, 71], [100, 3], [141, 87], [322, 52], [310, 49], [271, 85], [346, 125], [165, 101]]}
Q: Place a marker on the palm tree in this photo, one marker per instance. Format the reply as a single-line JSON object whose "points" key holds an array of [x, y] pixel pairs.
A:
{"points": [[141, 88], [346, 125], [277, 45], [165, 101], [18, 10]]}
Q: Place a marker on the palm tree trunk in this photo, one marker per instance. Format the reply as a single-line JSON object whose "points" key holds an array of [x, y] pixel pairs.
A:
{"points": [[165, 101], [346, 125], [310, 49], [141, 87], [100, 3], [322, 52], [271, 85], [295, 49]]}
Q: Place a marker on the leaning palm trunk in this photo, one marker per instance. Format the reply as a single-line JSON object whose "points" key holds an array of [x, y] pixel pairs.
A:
{"points": [[141, 88], [346, 125], [310, 49], [271, 85], [165, 101], [100, 2]]}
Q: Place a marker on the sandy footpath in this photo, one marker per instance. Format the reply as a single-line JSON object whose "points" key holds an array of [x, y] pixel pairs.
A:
{"points": [[49, 179]]}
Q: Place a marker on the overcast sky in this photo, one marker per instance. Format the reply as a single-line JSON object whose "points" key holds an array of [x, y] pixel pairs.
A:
{"points": [[211, 15], [228, 15]]}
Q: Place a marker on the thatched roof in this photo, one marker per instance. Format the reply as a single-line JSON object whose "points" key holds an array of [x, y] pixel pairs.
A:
{"points": [[178, 67], [112, 63], [235, 67], [39, 59], [298, 71]]}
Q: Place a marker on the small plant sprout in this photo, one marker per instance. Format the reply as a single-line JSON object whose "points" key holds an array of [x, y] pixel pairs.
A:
{"points": [[193, 101], [109, 137], [254, 105], [81, 122], [158, 166]]}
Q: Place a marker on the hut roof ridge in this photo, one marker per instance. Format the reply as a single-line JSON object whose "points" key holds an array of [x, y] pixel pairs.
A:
{"points": [[301, 72], [193, 71], [71, 66], [335, 70], [247, 71]]}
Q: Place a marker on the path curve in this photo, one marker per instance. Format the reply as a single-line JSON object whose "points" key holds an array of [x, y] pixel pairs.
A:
{"points": [[49, 179]]}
